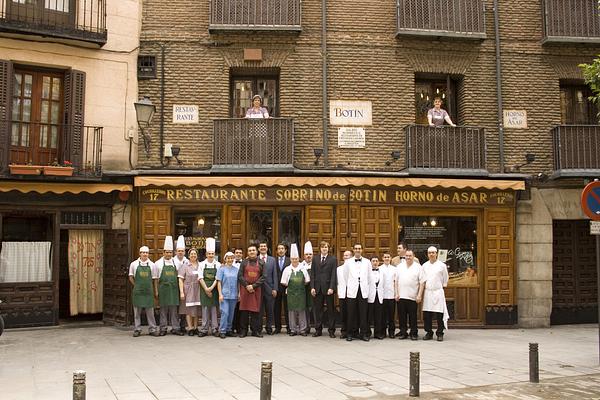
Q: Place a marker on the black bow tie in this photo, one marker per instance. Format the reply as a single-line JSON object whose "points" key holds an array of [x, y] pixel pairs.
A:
{"points": [[357, 259], [403, 258], [375, 269]]}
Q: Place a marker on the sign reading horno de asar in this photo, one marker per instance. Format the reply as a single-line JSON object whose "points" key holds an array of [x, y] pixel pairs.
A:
{"points": [[350, 113], [185, 114], [516, 119], [404, 196]]}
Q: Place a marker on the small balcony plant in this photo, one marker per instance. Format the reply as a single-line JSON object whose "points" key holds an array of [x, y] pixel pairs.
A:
{"points": [[56, 169], [25, 169]]}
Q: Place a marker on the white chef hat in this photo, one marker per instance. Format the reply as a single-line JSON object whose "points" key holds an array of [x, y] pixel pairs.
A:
{"points": [[308, 248], [210, 245], [144, 249], [168, 243], [432, 248], [294, 251], [180, 243]]}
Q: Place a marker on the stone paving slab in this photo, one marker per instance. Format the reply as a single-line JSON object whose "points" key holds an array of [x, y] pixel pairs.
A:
{"points": [[38, 364]]}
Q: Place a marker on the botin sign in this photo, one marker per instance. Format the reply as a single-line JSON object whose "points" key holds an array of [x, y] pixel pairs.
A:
{"points": [[590, 200]]}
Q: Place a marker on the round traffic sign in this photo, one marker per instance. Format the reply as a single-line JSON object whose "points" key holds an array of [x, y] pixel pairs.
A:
{"points": [[590, 200]]}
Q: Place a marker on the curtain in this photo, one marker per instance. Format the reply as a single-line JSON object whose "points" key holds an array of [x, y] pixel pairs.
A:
{"points": [[25, 262], [86, 262]]}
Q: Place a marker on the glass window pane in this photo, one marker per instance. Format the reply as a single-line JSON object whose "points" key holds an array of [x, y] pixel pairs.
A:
{"points": [[455, 238], [28, 85], [56, 89], [57, 5], [197, 226], [45, 110], [54, 137], [18, 84], [242, 98], [44, 136], [260, 227], [46, 87], [16, 109], [25, 135], [267, 89], [14, 137], [288, 227], [55, 114], [27, 110]]}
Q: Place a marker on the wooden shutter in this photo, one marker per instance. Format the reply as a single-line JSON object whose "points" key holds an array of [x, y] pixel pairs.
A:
{"points": [[6, 80], [116, 271], [156, 224], [74, 106]]}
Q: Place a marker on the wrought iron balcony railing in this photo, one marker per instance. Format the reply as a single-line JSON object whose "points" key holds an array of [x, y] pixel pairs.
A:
{"points": [[452, 18], [571, 21], [576, 150], [443, 150], [253, 143], [47, 144], [79, 20], [275, 15]]}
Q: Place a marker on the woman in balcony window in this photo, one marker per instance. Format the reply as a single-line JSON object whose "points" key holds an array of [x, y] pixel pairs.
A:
{"points": [[257, 111], [436, 116]]}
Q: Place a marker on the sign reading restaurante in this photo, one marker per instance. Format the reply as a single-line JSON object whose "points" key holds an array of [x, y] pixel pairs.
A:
{"points": [[328, 195]]}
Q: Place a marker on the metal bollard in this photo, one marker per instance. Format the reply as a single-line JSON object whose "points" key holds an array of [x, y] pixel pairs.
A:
{"points": [[413, 390], [266, 380], [534, 364], [79, 385]]}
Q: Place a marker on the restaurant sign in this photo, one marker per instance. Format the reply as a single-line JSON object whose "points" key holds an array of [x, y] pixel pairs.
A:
{"points": [[398, 196]]}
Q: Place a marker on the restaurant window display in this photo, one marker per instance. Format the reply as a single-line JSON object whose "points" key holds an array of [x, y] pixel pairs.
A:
{"points": [[196, 226], [456, 240]]}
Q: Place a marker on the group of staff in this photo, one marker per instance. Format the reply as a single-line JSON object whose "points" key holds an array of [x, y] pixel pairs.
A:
{"points": [[246, 289]]}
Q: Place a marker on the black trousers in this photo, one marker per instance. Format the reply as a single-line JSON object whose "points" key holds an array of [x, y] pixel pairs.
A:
{"points": [[407, 311], [320, 314], [358, 309], [428, 322], [268, 307], [235, 325], [254, 321], [279, 308], [376, 317], [343, 316], [389, 315]]}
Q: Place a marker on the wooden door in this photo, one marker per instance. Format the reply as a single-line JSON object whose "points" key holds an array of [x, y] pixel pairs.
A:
{"points": [[156, 224], [320, 226], [376, 230], [574, 290], [116, 270], [347, 228], [235, 228]]}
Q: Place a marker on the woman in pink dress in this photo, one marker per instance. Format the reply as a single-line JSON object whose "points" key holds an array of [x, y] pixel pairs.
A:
{"points": [[189, 292]]}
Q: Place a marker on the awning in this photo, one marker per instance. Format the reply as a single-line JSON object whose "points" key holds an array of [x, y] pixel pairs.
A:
{"points": [[60, 188], [237, 181]]}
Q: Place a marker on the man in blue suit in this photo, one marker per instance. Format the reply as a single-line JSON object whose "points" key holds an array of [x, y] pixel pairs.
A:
{"points": [[282, 261], [270, 286]]}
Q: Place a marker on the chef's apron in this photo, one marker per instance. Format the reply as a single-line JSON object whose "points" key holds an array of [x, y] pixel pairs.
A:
{"points": [[251, 301], [168, 286], [296, 292], [143, 295], [210, 275]]}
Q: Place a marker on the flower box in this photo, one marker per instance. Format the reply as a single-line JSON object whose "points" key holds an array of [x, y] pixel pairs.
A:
{"points": [[22, 169], [58, 171]]}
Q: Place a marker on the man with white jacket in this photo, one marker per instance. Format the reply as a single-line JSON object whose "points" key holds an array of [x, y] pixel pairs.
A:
{"points": [[435, 278], [341, 278], [357, 292], [376, 289]]}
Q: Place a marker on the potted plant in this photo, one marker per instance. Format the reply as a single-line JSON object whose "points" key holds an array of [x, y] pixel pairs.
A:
{"points": [[25, 169], [66, 169]]}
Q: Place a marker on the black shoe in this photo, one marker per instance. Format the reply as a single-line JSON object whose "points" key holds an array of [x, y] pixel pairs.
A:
{"points": [[257, 334], [303, 334], [402, 336], [191, 332], [162, 333], [202, 334], [414, 337], [243, 334], [155, 334], [270, 332], [365, 338], [343, 336], [215, 334], [292, 334], [177, 332], [380, 337], [440, 338], [137, 333], [349, 338], [222, 335], [277, 331], [428, 336], [332, 335], [317, 334], [391, 336], [229, 334]]}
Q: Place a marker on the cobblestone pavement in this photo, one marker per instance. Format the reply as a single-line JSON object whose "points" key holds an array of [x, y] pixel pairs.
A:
{"points": [[38, 364]]}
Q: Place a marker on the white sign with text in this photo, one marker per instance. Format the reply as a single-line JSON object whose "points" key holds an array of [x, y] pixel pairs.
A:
{"points": [[185, 114], [350, 113], [351, 138], [516, 119]]}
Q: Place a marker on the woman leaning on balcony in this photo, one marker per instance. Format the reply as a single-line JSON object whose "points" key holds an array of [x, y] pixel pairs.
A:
{"points": [[436, 116], [257, 111]]}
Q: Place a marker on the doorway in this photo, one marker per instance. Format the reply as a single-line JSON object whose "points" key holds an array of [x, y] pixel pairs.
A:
{"points": [[275, 225]]}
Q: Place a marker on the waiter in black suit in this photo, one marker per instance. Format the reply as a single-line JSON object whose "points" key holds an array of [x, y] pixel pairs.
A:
{"points": [[281, 261], [322, 288]]}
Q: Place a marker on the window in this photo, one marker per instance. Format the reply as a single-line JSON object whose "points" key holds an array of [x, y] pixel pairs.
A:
{"points": [[455, 238], [146, 67], [44, 12], [575, 108], [427, 88], [198, 225], [247, 83]]}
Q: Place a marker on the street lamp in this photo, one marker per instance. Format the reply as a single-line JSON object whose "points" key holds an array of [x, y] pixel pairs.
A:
{"points": [[144, 110]]}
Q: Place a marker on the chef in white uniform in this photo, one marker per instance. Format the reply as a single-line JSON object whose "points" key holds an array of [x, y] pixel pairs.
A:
{"points": [[389, 294], [435, 278]]}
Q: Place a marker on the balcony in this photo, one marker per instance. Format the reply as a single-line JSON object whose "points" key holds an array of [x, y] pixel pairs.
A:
{"points": [[450, 18], [47, 144], [445, 150], [81, 21], [576, 150], [257, 144], [571, 21], [255, 15]]}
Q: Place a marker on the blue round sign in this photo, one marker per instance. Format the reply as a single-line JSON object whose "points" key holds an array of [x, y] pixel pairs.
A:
{"points": [[590, 200]]}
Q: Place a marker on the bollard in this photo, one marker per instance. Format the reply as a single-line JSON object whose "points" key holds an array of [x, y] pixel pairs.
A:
{"points": [[266, 380], [79, 385], [534, 365], [413, 390]]}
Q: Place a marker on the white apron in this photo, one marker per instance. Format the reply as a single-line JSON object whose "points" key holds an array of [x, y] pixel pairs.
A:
{"points": [[434, 299]]}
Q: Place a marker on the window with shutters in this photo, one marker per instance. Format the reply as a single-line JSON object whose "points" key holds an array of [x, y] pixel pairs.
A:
{"points": [[575, 106]]}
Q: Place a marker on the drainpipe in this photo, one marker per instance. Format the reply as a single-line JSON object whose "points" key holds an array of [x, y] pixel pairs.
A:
{"points": [[499, 87], [162, 105], [325, 107]]}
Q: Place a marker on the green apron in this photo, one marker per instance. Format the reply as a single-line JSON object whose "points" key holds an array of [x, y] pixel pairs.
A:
{"points": [[168, 286], [210, 275], [143, 295], [309, 298], [296, 292]]}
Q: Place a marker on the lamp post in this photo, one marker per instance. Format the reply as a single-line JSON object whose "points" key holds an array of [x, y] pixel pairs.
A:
{"points": [[144, 110]]}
